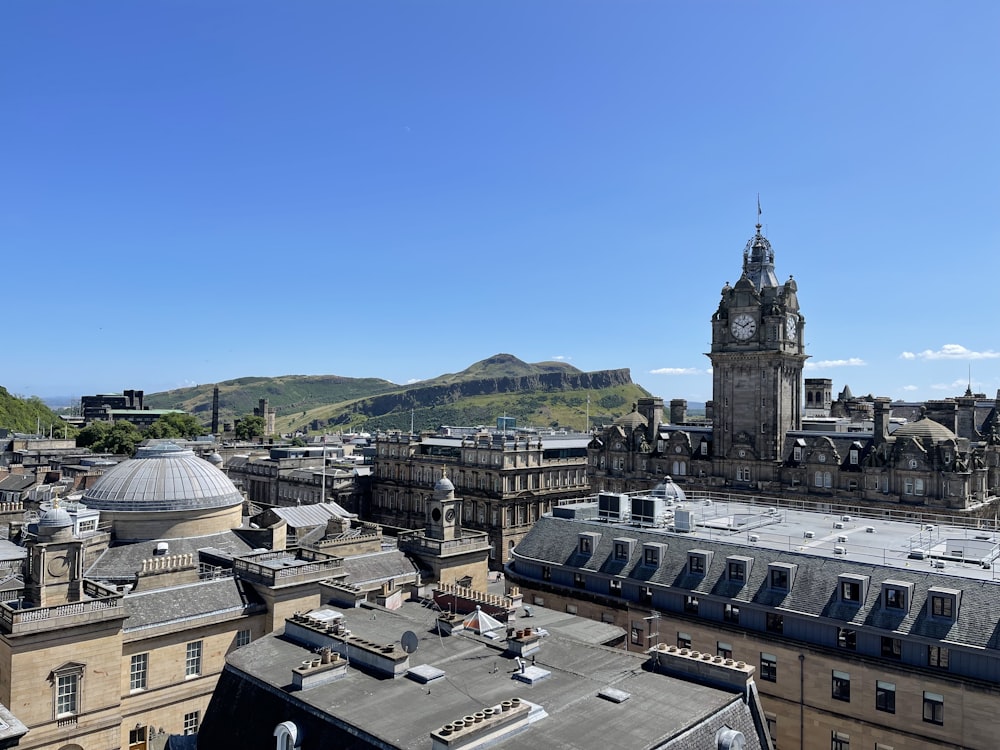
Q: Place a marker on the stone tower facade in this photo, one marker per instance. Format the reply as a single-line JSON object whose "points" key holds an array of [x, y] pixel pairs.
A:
{"points": [[757, 359]]}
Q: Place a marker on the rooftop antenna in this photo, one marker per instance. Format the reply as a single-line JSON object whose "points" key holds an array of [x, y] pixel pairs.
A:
{"points": [[322, 492], [758, 213], [411, 421], [587, 427]]}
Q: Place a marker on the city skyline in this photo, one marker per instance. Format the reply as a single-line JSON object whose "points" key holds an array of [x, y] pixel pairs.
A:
{"points": [[199, 192]]}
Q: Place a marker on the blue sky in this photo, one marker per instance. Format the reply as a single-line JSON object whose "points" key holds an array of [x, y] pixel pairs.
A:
{"points": [[199, 190]]}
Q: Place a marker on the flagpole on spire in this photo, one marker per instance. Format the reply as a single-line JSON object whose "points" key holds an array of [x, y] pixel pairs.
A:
{"points": [[758, 212]]}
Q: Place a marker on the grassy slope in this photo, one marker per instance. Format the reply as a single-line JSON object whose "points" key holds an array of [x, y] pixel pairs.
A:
{"points": [[23, 415]]}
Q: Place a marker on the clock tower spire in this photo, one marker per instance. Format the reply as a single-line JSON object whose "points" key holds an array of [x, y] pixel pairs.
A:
{"points": [[757, 358]]}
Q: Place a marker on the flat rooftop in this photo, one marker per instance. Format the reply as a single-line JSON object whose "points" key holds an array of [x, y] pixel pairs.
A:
{"points": [[957, 550], [477, 673]]}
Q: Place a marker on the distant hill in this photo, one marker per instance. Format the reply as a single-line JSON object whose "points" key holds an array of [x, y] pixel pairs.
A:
{"points": [[25, 415], [543, 394]]}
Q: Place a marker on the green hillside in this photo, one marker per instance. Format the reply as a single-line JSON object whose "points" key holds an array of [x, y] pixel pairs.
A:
{"points": [[545, 394], [24, 415]]}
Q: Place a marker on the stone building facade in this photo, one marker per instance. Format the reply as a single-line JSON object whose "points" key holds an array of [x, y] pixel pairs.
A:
{"points": [[506, 481]]}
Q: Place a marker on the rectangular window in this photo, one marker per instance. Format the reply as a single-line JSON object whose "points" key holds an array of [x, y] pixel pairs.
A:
{"points": [[584, 545], [768, 667], [651, 556], [683, 640], [847, 638], [67, 694], [850, 591], [731, 614], [546, 573], [691, 604], [138, 671], [779, 579], [696, 564], [579, 580], [191, 722], [891, 647], [775, 623], [937, 656], [242, 638], [725, 650], [841, 686], [895, 598], [137, 737], [933, 708], [918, 486], [885, 696], [772, 728], [942, 606], [192, 660], [621, 551], [737, 572], [840, 741]]}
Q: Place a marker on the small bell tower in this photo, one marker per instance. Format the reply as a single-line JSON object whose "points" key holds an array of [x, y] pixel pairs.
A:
{"points": [[443, 511]]}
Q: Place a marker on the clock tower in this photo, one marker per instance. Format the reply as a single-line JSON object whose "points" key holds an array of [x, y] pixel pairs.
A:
{"points": [[443, 510], [757, 358]]}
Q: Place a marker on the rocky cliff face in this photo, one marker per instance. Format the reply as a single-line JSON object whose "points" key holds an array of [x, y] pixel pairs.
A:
{"points": [[437, 395]]}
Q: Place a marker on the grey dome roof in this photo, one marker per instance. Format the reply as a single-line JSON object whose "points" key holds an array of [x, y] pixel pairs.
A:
{"points": [[925, 428], [670, 491], [54, 518], [163, 477], [444, 489], [632, 420]]}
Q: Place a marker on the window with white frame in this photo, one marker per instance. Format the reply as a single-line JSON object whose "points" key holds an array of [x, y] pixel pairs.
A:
{"points": [[242, 637], [138, 672], [192, 660], [66, 683], [192, 721]]}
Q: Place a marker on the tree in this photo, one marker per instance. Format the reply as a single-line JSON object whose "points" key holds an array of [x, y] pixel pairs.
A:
{"points": [[104, 437], [175, 425], [250, 427]]}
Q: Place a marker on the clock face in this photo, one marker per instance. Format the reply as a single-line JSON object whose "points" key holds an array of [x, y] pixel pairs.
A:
{"points": [[743, 327], [791, 327], [58, 566], [450, 515]]}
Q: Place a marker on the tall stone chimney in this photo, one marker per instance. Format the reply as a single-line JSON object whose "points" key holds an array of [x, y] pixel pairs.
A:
{"points": [[652, 409], [883, 410], [678, 410], [215, 410]]}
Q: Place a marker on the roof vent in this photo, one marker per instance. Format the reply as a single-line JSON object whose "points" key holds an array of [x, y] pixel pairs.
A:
{"points": [[842, 538], [754, 538], [917, 554], [838, 550], [838, 525], [845, 518], [869, 529], [808, 534], [162, 548], [937, 563]]}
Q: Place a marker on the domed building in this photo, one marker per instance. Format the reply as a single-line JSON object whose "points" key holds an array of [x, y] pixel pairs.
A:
{"points": [[165, 492]]}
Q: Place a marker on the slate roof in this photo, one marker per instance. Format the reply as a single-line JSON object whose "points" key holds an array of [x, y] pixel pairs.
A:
{"points": [[16, 482], [117, 563], [314, 514], [377, 567], [814, 591], [190, 601]]}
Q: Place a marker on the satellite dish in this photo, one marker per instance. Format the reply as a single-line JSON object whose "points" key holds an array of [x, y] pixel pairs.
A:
{"points": [[409, 641]]}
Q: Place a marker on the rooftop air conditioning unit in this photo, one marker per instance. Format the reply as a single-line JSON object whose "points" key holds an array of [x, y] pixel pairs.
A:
{"points": [[845, 518], [929, 527], [841, 538], [917, 554], [838, 525], [808, 534], [754, 538], [838, 550], [937, 563], [869, 529]]}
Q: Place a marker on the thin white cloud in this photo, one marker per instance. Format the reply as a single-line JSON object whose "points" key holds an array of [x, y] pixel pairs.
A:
{"points": [[910, 388], [954, 386], [411, 381], [676, 371], [824, 363], [562, 358], [951, 351]]}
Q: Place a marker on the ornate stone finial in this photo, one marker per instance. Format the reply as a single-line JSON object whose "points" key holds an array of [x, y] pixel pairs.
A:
{"points": [[444, 472]]}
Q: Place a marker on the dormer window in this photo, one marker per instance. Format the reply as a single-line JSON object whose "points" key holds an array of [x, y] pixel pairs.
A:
{"points": [[623, 549], [781, 576], [698, 561], [853, 456], [587, 542], [738, 568], [896, 595], [852, 588], [797, 453], [943, 603], [652, 554]]}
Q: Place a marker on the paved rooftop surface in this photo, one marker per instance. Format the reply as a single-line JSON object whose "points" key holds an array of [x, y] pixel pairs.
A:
{"points": [[478, 674]]}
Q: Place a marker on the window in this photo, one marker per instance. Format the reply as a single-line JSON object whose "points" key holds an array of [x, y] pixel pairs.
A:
{"points": [[840, 741], [772, 728], [621, 551], [895, 598], [885, 696], [736, 571], [725, 650], [191, 722], [797, 453], [841, 686], [775, 623], [731, 614], [585, 543], [637, 632], [918, 486], [779, 579], [138, 671], [137, 737], [546, 573], [847, 638], [942, 606], [579, 580], [933, 708], [691, 604], [742, 473], [696, 564], [853, 456], [768, 667], [891, 647], [67, 693], [651, 556], [242, 638], [192, 661], [615, 587], [850, 591], [937, 656], [908, 486], [683, 640]]}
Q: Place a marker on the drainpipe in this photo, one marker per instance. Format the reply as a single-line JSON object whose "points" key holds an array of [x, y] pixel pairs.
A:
{"points": [[802, 700]]}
